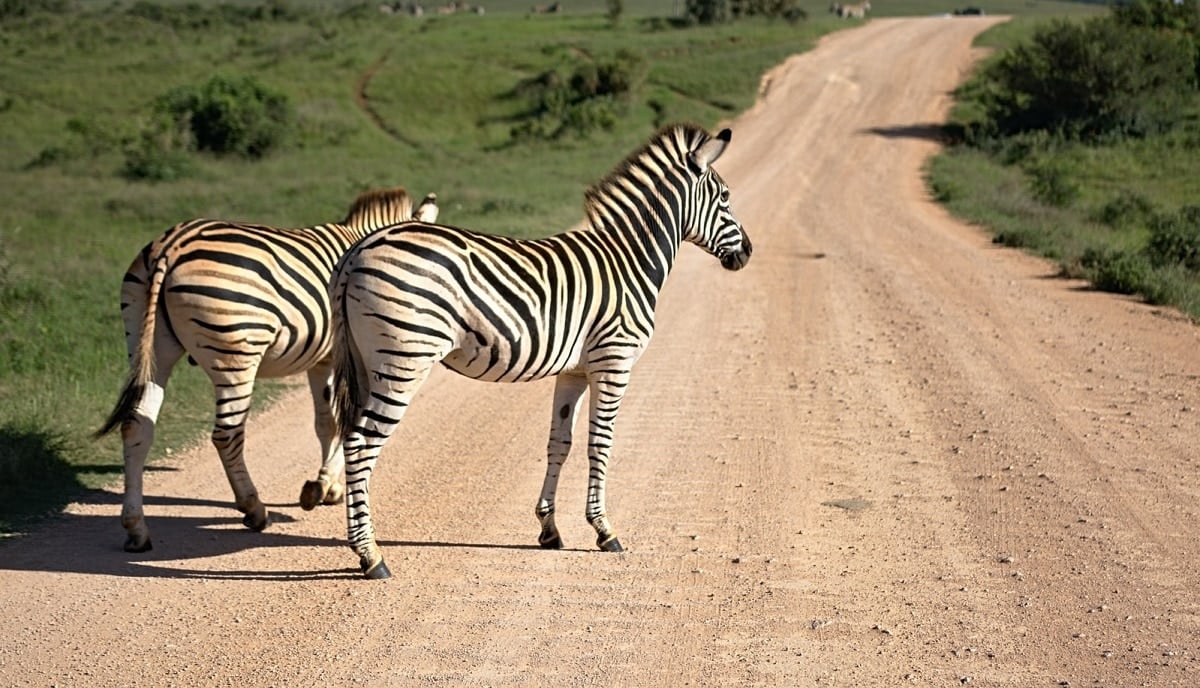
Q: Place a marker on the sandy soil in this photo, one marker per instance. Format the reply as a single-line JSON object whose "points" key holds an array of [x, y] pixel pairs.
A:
{"points": [[886, 452]]}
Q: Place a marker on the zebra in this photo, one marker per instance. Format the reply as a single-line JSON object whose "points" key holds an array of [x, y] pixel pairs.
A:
{"points": [[241, 301], [858, 11], [577, 305]]}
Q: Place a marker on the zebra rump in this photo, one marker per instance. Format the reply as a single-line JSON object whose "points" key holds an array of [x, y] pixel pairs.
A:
{"points": [[578, 306], [241, 301]]}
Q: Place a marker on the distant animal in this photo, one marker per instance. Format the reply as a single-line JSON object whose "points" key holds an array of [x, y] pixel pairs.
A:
{"points": [[858, 11], [242, 301], [552, 8], [578, 306]]}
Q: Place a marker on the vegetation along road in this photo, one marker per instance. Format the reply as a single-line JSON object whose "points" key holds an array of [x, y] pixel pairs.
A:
{"points": [[887, 451]]}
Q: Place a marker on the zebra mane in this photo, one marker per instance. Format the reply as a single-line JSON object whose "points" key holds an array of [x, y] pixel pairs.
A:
{"points": [[676, 140], [379, 207]]}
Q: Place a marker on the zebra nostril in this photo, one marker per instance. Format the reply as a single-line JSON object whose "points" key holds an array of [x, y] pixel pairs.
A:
{"points": [[736, 261]]}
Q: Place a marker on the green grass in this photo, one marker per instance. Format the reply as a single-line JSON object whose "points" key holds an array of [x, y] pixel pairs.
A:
{"points": [[74, 87], [1098, 229]]}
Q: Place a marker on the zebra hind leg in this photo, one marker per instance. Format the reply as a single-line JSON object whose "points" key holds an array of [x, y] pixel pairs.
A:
{"points": [[137, 434], [373, 424], [328, 488]]}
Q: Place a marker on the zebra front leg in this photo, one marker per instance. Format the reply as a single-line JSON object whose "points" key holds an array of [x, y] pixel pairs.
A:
{"points": [[607, 390], [568, 390], [328, 488], [229, 438]]}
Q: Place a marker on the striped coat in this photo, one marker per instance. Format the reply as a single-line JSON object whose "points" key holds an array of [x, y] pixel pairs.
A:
{"points": [[578, 306], [241, 301]]}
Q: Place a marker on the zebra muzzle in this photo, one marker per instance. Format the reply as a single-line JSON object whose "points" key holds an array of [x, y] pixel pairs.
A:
{"points": [[736, 260]]}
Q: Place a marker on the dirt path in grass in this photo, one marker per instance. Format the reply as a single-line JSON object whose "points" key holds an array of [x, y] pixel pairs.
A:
{"points": [[885, 452]]}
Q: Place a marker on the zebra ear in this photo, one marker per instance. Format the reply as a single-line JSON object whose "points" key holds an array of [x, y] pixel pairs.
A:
{"points": [[428, 210], [709, 151]]}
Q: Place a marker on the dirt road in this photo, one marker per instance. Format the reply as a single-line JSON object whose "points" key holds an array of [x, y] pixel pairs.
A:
{"points": [[887, 452]]}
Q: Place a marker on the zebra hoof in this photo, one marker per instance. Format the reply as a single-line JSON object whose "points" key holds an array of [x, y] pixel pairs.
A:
{"points": [[255, 522], [378, 571], [132, 545], [554, 542], [335, 494], [611, 544], [311, 495]]}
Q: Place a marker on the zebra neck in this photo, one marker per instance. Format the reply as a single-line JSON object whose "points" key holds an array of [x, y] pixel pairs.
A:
{"points": [[649, 248], [643, 229]]}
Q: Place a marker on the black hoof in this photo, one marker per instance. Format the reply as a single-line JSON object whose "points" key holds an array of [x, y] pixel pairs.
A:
{"points": [[377, 572], [249, 522], [553, 543], [310, 495], [610, 545], [131, 545]]}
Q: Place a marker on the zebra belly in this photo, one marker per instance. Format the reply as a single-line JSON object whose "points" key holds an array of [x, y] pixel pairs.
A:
{"points": [[496, 362]]}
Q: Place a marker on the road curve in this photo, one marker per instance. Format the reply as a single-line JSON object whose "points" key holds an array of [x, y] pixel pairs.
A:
{"points": [[887, 451]]}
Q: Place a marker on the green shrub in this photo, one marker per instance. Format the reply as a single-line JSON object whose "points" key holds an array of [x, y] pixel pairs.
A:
{"points": [[1174, 16], [1115, 270], [708, 11], [24, 8], [150, 160], [1095, 80], [613, 10], [1127, 209], [1051, 183], [1175, 239], [591, 98], [775, 9], [229, 115]]}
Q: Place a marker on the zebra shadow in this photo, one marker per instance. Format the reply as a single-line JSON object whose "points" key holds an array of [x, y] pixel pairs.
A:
{"points": [[92, 544], [938, 133]]}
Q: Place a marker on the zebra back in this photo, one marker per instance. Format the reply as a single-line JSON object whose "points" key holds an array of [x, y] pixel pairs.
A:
{"points": [[378, 208]]}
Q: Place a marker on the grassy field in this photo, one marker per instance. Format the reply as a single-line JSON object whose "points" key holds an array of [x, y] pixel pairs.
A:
{"points": [[1085, 206], [440, 99], [75, 88]]}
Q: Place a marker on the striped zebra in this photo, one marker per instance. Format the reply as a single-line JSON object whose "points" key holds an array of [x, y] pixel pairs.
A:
{"points": [[241, 301], [858, 11], [577, 305]]}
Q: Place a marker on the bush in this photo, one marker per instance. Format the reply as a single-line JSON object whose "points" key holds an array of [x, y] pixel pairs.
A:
{"points": [[1051, 184], [228, 115], [708, 11], [1117, 271], [1090, 81], [590, 99], [1128, 209], [11, 9], [1166, 16], [154, 157], [1175, 239], [775, 9], [613, 10]]}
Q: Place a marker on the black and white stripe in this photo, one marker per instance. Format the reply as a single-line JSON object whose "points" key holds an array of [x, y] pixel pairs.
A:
{"points": [[241, 301], [578, 305]]}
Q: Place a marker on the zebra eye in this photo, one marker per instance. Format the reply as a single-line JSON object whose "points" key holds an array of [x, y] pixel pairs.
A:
{"points": [[724, 195]]}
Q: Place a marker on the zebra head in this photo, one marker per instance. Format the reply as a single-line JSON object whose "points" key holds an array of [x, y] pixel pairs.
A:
{"points": [[713, 226]]}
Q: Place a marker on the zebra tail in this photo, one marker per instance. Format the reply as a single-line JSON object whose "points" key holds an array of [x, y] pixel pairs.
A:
{"points": [[348, 374], [141, 363]]}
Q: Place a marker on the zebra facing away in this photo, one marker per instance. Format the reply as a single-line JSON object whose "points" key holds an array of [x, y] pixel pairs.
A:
{"points": [[858, 11], [577, 305], [241, 301]]}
